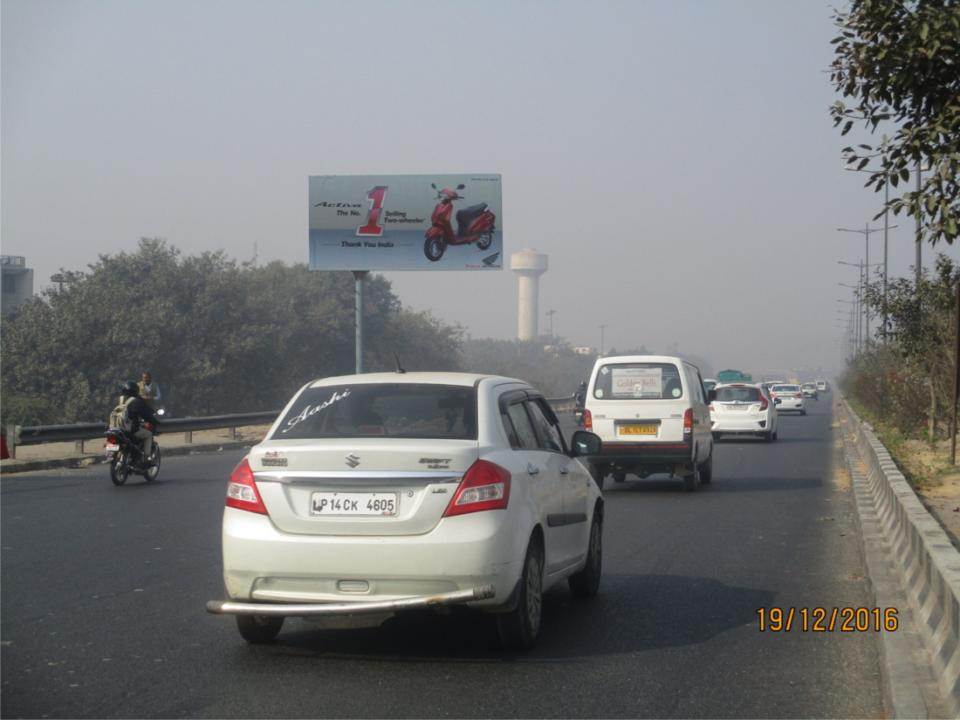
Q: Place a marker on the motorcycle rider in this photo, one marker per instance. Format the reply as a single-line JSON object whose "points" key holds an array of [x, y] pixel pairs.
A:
{"points": [[136, 411]]}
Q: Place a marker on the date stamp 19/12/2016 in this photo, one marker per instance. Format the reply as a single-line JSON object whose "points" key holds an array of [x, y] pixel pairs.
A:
{"points": [[822, 619]]}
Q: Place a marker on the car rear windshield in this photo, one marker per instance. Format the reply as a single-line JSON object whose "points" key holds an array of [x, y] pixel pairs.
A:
{"points": [[785, 388], [398, 410], [638, 381], [738, 394]]}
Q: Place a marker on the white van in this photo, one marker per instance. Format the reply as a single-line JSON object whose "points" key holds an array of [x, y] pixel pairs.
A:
{"points": [[653, 415]]}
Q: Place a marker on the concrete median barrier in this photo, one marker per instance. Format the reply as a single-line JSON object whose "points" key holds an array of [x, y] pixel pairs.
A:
{"points": [[927, 563]]}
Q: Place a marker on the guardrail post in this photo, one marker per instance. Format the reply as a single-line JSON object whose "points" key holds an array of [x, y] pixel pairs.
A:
{"points": [[188, 436], [78, 446], [13, 436], [233, 433]]}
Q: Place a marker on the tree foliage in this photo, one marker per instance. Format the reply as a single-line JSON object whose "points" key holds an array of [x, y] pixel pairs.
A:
{"points": [[899, 62], [914, 368], [554, 369], [217, 336]]}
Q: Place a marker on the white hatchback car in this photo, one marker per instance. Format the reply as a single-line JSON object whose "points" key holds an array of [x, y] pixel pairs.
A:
{"points": [[743, 409], [382, 492], [651, 413], [788, 398]]}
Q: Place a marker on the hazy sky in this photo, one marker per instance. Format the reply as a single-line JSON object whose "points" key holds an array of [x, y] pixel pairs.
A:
{"points": [[675, 159]]}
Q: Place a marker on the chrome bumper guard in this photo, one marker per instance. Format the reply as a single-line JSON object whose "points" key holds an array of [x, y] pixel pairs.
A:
{"points": [[228, 607]]}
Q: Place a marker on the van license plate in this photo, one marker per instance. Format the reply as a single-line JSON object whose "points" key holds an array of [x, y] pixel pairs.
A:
{"points": [[331, 504], [647, 429]]}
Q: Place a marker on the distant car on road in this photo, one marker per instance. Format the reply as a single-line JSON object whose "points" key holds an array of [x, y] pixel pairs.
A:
{"points": [[822, 386], [741, 409], [788, 397], [383, 492], [709, 384], [810, 390], [651, 413]]}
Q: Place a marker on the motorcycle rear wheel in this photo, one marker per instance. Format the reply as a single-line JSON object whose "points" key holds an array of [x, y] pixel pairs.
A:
{"points": [[433, 248], [119, 469], [485, 240], [151, 473]]}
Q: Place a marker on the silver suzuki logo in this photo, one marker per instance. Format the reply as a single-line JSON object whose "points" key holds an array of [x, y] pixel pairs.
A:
{"points": [[352, 460]]}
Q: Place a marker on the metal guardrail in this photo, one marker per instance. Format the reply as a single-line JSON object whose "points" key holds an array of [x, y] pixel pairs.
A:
{"points": [[81, 432]]}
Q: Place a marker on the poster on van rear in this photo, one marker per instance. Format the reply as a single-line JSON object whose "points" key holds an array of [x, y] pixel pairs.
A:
{"points": [[405, 222]]}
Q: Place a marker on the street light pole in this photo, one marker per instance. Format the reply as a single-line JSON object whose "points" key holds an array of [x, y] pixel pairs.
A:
{"points": [[866, 280], [602, 328]]}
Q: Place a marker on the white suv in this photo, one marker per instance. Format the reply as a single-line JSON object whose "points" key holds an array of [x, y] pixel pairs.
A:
{"points": [[383, 492], [651, 413]]}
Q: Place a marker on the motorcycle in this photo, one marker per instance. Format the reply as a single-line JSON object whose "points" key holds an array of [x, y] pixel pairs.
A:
{"points": [[474, 224], [125, 454]]}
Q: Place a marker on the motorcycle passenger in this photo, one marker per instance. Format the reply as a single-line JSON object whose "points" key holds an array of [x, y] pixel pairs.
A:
{"points": [[136, 411]]}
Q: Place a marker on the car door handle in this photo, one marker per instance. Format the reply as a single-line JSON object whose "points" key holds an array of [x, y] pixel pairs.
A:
{"points": [[564, 470], [532, 469]]}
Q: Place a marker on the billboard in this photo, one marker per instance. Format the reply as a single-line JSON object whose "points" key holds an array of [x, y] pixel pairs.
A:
{"points": [[405, 222]]}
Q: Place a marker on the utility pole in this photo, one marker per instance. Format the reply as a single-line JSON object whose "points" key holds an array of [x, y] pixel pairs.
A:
{"points": [[358, 279], [866, 266], [602, 328], [956, 381], [919, 259]]}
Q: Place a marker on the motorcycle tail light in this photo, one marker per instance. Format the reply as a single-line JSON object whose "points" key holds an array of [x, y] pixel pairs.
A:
{"points": [[112, 439], [242, 492]]}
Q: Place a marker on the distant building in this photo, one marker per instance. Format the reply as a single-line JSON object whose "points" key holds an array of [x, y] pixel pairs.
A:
{"points": [[16, 283], [584, 350]]}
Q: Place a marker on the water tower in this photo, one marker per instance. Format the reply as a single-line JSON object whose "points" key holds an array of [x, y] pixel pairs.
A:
{"points": [[529, 265]]}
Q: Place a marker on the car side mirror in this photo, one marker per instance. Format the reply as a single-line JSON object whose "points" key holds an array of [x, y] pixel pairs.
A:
{"points": [[584, 443], [711, 395], [776, 401]]}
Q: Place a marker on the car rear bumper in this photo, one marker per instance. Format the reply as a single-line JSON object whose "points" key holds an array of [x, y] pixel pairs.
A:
{"points": [[228, 607], [741, 425], [261, 564], [657, 453]]}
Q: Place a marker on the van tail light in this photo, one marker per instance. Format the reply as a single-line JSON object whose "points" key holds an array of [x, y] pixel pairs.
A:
{"points": [[242, 492], [688, 422], [484, 486], [763, 403], [587, 420]]}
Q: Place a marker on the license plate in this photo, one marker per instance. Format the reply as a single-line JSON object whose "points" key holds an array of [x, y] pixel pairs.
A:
{"points": [[111, 448], [329, 504], [737, 408], [647, 429]]}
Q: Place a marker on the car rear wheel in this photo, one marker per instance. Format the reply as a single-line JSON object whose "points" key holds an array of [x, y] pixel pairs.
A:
{"points": [[259, 629], [586, 582], [619, 476], [518, 629], [706, 470], [803, 412], [691, 481]]}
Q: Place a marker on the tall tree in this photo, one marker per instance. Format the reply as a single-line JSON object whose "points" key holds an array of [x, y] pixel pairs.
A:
{"points": [[898, 61]]}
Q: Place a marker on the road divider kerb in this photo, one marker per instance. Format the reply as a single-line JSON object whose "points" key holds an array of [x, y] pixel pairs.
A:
{"points": [[927, 562]]}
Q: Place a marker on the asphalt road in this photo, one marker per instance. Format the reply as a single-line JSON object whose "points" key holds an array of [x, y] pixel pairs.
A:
{"points": [[103, 593]]}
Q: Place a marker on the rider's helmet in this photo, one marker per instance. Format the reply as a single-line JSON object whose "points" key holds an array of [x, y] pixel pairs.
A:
{"points": [[129, 388]]}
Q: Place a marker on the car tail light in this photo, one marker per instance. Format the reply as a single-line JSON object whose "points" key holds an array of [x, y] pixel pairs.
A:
{"points": [[242, 491], [688, 422], [712, 408], [763, 403], [799, 395], [587, 420], [485, 486]]}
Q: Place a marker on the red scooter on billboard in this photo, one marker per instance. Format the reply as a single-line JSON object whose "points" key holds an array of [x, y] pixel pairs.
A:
{"points": [[474, 224]]}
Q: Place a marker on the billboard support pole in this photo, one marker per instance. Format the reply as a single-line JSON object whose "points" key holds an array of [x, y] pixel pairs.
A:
{"points": [[358, 278]]}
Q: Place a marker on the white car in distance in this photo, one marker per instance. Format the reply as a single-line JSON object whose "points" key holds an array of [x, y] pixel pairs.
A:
{"points": [[788, 398], [745, 410], [382, 492]]}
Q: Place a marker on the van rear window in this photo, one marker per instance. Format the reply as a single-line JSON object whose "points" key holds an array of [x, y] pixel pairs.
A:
{"points": [[638, 381]]}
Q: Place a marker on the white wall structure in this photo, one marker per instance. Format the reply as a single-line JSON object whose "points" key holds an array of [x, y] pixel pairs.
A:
{"points": [[529, 265]]}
